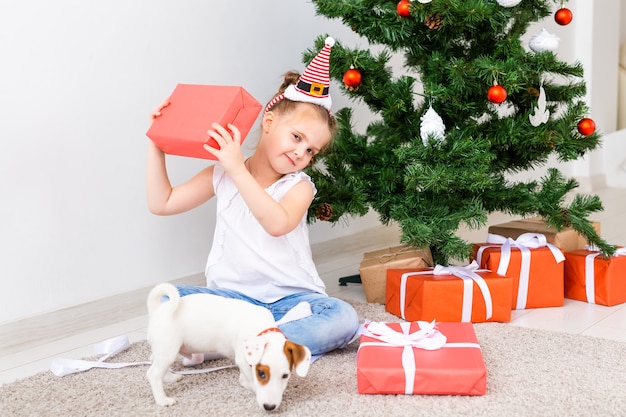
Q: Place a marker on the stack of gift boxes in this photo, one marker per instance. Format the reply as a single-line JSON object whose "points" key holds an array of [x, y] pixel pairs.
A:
{"points": [[523, 264]]}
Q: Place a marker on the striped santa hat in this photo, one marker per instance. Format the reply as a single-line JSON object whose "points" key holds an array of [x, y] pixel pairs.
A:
{"points": [[313, 84]]}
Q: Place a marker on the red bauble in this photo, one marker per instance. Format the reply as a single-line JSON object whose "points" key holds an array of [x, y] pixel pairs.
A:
{"points": [[586, 126], [496, 94], [563, 16], [352, 78], [403, 8]]}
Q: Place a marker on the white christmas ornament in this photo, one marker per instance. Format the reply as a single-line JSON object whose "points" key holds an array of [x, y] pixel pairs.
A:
{"points": [[424, 1], [541, 113], [543, 41], [432, 126], [508, 3]]}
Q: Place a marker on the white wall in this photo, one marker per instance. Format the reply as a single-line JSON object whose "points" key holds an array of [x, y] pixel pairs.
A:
{"points": [[78, 79], [596, 44]]}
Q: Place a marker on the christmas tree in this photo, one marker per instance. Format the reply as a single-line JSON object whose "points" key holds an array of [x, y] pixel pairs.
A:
{"points": [[474, 106]]}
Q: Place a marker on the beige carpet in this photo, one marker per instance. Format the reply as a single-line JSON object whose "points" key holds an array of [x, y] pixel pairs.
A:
{"points": [[530, 373]]}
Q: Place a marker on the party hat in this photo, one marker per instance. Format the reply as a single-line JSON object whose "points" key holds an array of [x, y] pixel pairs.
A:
{"points": [[313, 84]]}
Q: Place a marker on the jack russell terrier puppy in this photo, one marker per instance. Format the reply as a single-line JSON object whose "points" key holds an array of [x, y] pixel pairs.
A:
{"points": [[236, 329]]}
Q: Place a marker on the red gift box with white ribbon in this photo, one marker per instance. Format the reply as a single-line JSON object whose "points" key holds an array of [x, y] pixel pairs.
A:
{"points": [[452, 293], [535, 266], [590, 277], [420, 358]]}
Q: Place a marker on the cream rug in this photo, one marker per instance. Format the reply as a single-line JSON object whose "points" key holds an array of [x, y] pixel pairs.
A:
{"points": [[530, 373]]}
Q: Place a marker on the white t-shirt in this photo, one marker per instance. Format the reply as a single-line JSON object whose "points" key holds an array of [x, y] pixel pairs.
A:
{"points": [[245, 258]]}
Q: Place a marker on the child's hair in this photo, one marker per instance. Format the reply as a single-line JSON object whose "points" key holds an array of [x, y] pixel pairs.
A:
{"points": [[286, 106]]}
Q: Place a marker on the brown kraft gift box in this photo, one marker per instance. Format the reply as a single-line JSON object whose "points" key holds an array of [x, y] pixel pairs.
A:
{"points": [[373, 268], [567, 239]]}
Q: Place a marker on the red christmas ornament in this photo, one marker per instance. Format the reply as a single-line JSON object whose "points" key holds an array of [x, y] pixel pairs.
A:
{"points": [[563, 16], [496, 94], [586, 126], [403, 8], [352, 78]]}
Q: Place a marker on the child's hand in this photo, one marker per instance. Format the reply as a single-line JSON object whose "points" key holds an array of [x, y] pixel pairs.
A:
{"points": [[156, 113], [229, 153]]}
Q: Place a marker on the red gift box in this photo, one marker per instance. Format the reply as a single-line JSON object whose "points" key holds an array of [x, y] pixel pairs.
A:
{"points": [[394, 365], [536, 267], [448, 294], [182, 127], [590, 277]]}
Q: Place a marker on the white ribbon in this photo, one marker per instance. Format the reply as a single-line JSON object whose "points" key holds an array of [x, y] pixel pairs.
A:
{"points": [[590, 281], [524, 243], [468, 275], [108, 348], [426, 338]]}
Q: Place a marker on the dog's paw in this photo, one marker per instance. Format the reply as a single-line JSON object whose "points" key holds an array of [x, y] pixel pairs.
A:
{"points": [[171, 377], [166, 401]]}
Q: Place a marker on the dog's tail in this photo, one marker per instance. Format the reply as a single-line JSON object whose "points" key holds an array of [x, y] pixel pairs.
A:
{"points": [[163, 296]]}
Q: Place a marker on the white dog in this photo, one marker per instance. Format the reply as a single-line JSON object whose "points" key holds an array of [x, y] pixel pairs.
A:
{"points": [[243, 332]]}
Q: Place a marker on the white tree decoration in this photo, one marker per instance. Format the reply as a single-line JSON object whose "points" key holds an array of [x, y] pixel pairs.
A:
{"points": [[541, 113], [543, 41], [508, 3], [432, 126]]}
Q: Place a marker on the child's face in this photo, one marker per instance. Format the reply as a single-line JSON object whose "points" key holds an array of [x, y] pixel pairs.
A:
{"points": [[294, 138]]}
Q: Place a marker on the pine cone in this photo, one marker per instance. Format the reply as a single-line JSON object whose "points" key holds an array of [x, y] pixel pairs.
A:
{"points": [[566, 215], [324, 212], [532, 91], [434, 21]]}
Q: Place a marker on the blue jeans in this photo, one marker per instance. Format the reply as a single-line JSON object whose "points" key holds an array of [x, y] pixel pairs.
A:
{"points": [[331, 326]]}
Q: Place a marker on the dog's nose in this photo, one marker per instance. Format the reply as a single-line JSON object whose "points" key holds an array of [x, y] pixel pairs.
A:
{"points": [[269, 407]]}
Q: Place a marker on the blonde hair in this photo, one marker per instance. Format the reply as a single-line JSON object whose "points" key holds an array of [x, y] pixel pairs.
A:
{"points": [[285, 105]]}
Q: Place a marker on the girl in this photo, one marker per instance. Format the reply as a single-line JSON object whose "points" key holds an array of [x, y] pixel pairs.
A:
{"points": [[261, 250]]}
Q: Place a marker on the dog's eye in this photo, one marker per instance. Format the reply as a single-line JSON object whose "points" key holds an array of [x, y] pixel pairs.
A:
{"points": [[285, 376], [261, 374]]}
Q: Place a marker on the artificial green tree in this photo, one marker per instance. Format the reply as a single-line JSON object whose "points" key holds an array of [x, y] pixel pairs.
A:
{"points": [[440, 150]]}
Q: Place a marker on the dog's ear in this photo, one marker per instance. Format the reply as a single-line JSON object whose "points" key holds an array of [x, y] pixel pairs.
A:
{"points": [[253, 348], [299, 357]]}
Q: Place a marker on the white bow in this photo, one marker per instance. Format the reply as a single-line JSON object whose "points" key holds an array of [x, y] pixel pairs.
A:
{"points": [[427, 337]]}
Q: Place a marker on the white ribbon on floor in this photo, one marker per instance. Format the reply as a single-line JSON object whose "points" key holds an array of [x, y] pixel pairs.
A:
{"points": [[109, 348]]}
